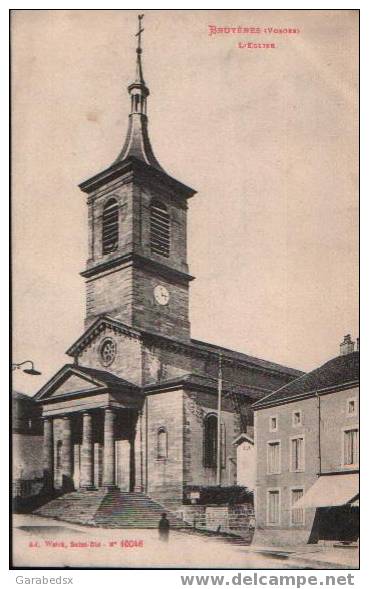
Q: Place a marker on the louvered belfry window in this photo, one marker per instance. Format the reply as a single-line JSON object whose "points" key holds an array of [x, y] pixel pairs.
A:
{"points": [[159, 229], [110, 227]]}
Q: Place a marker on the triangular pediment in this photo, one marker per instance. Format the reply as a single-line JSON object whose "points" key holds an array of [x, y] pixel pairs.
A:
{"points": [[96, 328], [74, 383], [67, 381]]}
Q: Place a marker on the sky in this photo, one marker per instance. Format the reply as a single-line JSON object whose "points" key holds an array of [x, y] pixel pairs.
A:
{"points": [[268, 138]]}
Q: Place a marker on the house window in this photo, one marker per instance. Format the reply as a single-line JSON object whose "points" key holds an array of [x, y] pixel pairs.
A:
{"points": [[297, 454], [351, 447], [297, 513], [273, 507], [110, 226], [351, 407], [296, 418], [162, 443], [273, 424], [274, 457], [210, 441], [159, 229]]}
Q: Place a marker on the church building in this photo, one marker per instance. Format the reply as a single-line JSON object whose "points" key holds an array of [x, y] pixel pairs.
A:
{"points": [[135, 410]]}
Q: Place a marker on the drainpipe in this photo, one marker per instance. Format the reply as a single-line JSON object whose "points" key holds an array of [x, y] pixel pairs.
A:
{"points": [[319, 434], [146, 444], [219, 423], [142, 485]]}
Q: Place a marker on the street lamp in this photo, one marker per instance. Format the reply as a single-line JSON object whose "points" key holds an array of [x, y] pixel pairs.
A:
{"points": [[31, 370]]}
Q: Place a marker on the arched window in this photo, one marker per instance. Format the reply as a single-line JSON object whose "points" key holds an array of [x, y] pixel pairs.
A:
{"points": [[162, 443], [58, 461], [210, 441], [159, 229], [110, 226]]}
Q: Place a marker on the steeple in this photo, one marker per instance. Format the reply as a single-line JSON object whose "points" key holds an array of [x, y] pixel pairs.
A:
{"points": [[137, 143]]}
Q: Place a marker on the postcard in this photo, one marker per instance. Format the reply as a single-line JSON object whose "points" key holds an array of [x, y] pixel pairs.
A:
{"points": [[185, 289]]}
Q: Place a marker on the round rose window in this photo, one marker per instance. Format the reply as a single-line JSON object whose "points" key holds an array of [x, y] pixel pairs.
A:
{"points": [[107, 352]]}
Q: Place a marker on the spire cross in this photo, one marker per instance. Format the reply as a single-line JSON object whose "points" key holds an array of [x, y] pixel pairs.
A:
{"points": [[139, 32]]}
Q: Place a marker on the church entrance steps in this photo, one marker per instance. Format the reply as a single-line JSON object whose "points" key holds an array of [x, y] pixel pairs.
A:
{"points": [[133, 510], [108, 509], [76, 507]]}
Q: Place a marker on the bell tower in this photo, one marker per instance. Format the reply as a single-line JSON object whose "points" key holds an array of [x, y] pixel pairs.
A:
{"points": [[137, 268]]}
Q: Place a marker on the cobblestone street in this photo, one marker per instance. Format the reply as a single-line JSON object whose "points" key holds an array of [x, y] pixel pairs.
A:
{"points": [[46, 542]]}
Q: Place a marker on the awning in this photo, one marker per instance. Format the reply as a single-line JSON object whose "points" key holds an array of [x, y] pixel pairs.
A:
{"points": [[330, 491]]}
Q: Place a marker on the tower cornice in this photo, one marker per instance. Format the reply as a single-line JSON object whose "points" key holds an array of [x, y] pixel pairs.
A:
{"points": [[138, 261], [135, 166]]}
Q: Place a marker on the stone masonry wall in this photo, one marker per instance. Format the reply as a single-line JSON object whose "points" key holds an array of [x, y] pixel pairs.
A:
{"points": [[164, 475], [197, 405], [110, 294], [169, 320], [128, 360]]}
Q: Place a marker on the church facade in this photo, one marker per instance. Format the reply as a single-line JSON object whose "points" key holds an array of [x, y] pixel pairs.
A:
{"points": [[136, 407]]}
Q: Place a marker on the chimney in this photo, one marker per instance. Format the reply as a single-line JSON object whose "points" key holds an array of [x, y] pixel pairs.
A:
{"points": [[347, 346], [358, 344]]}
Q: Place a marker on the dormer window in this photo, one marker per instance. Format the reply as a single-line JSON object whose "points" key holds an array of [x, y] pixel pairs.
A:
{"points": [[159, 229], [110, 227]]}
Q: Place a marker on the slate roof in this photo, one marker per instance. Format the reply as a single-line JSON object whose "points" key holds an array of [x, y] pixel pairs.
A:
{"points": [[240, 356], [335, 373], [193, 344], [205, 382]]}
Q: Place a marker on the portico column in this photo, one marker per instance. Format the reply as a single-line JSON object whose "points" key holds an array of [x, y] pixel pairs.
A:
{"points": [[48, 454], [109, 449], [66, 455], [87, 453]]}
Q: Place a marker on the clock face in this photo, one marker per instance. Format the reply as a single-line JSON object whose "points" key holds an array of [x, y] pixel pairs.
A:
{"points": [[161, 295]]}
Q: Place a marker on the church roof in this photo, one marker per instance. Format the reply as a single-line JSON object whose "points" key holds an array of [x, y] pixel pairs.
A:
{"points": [[204, 382], [339, 372], [195, 345], [132, 165], [240, 356]]}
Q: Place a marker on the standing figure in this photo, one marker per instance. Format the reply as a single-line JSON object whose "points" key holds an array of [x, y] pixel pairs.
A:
{"points": [[164, 528]]}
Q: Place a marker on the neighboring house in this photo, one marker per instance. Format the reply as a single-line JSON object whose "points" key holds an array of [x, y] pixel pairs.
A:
{"points": [[246, 461], [27, 444], [307, 483]]}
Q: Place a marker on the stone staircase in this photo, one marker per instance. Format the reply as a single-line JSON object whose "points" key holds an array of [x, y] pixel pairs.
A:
{"points": [[133, 510], [108, 509], [77, 507]]}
